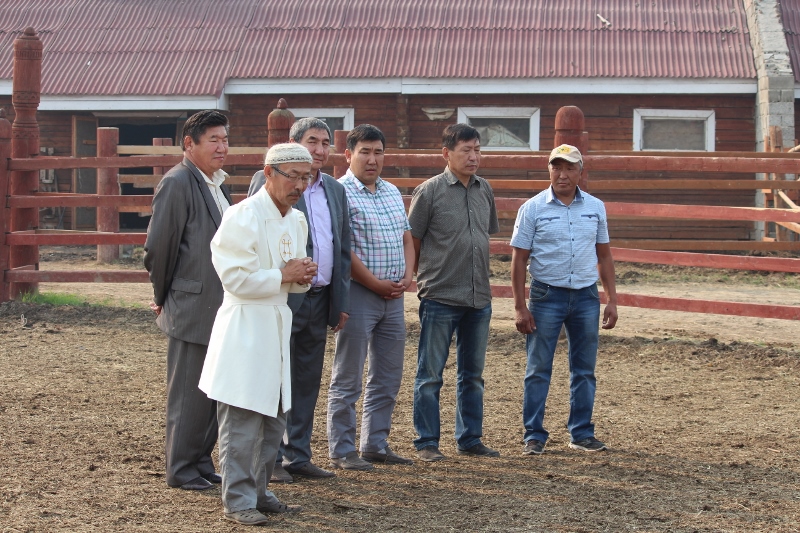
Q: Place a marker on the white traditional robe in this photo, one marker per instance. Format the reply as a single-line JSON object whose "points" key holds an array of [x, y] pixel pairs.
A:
{"points": [[247, 364]]}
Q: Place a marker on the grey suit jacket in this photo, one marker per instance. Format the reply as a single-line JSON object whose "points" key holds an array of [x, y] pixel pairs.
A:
{"points": [[177, 254], [340, 219]]}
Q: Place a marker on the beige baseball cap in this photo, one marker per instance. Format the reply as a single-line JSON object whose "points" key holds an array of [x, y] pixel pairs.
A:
{"points": [[567, 152]]}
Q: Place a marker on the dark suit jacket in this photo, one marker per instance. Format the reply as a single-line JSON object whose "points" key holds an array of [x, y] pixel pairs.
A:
{"points": [[340, 218], [177, 254]]}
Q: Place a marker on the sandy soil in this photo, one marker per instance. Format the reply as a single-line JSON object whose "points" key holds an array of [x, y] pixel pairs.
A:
{"points": [[699, 412]]}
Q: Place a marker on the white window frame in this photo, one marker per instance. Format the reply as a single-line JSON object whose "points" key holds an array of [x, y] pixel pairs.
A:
{"points": [[347, 113], [532, 113], [640, 114]]}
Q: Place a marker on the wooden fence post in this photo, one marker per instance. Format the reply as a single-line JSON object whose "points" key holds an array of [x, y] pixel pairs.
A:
{"points": [[279, 122], [340, 143], [5, 212], [161, 141], [107, 184], [776, 142], [570, 124], [26, 92]]}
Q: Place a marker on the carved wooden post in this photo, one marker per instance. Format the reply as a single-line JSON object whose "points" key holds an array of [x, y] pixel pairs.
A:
{"points": [[340, 143], [107, 184], [279, 122], [570, 124], [27, 86], [5, 212]]}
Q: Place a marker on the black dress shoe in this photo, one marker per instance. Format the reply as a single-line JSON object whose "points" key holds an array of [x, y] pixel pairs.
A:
{"points": [[213, 477], [197, 483]]}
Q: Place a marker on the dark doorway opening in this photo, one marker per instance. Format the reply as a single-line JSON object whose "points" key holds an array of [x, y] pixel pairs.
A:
{"points": [[139, 132]]}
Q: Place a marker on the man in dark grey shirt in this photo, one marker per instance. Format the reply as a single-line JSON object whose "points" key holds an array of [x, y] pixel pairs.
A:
{"points": [[452, 216]]}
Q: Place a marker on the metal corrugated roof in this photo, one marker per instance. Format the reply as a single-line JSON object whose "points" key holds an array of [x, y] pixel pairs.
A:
{"points": [[152, 73], [191, 47], [92, 14], [81, 40], [278, 14], [360, 51], [790, 12], [307, 54], [411, 53], [264, 47], [64, 71], [138, 14]]}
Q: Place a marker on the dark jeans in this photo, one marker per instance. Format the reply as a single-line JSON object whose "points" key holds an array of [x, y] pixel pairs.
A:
{"points": [[438, 322]]}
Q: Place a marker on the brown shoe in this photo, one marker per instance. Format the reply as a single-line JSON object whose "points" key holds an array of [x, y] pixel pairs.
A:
{"points": [[351, 462], [309, 470], [247, 517], [386, 456], [479, 450], [280, 475], [278, 508], [430, 454]]}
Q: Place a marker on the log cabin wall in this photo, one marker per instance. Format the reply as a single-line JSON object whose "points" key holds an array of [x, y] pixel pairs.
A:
{"points": [[609, 121]]}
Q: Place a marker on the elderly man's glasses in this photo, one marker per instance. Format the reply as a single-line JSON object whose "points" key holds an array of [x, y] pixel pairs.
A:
{"points": [[305, 178]]}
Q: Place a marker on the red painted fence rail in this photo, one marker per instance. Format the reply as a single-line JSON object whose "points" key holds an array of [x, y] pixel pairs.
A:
{"points": [[28, 275], [20, 163]]}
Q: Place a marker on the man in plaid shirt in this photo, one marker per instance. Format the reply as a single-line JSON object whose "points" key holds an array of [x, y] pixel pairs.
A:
{"points": [[382, 263]]}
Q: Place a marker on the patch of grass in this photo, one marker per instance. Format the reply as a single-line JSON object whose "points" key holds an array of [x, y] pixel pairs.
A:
{"points": [[53, 298], [60, 299]]}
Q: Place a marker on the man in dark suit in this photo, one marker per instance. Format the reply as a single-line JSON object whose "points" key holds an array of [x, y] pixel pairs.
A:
{"points": [[187, 210], [324, 203]]}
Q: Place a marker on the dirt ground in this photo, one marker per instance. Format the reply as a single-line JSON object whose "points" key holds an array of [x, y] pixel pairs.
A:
{"points": [[699, 412]]}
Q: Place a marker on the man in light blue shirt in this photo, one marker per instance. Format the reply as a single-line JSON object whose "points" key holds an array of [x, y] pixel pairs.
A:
{"points": [[564, 231]]}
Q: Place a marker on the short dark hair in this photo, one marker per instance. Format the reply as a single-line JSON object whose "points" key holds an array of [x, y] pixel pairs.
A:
{"points": [[364, 132], [300, 128], [197, 124], [456, 133]]}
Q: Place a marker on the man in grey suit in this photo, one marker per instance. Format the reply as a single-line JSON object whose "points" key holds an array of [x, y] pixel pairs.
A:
{"points": [[324, 203], [187, 210]]}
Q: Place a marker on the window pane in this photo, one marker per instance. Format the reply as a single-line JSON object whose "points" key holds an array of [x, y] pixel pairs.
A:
{"points": [[505, 132], [334, 123], [673, 134]]}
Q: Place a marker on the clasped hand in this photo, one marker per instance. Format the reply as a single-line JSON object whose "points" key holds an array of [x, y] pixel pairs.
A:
{"points": [[300, 271], [391, 290]]}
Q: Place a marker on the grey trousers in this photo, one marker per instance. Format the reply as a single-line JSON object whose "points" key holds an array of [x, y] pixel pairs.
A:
{"points": [[191, 415], [248, 444], [309, 333], [375, 332]]}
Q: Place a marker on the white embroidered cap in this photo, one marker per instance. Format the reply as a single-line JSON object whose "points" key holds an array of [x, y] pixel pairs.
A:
{"points": [[287, 153]]}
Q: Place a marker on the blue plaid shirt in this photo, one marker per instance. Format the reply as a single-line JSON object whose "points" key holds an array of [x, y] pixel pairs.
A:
{"points": [[562, 238], [377, 223]]}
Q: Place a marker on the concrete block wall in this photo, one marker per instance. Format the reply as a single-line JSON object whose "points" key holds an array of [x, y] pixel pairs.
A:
{"points": [[775, 99]]}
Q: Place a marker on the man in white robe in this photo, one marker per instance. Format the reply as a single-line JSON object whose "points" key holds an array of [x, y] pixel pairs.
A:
{"points": [[259, 253]]}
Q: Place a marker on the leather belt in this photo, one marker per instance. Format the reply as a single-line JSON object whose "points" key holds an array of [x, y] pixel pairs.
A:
{"points": [[316, 291]]}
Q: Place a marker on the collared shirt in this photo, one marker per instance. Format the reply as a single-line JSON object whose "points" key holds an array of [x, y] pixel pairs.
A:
{"points": [[319, 222], [562, 238], [214, 183], [453, 223], [377, 223]]}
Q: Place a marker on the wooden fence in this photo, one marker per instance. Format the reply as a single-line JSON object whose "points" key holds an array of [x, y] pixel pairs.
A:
{"points": [[20, 165]]}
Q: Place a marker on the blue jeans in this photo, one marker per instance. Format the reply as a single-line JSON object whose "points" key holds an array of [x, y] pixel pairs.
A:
{"points": [[579, 311], [438, 322]]}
